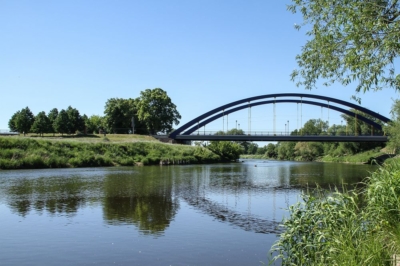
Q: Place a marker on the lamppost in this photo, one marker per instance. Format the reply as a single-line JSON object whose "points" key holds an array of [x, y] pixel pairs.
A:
{"points": [[236, 124], [285, 130], [288, 128]]}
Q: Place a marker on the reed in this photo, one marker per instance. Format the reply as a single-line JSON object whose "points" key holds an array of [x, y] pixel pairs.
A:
{"points": [[358, 227]]}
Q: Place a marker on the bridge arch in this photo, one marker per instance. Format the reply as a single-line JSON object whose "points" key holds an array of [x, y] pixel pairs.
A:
{"points": [[219, 112]]}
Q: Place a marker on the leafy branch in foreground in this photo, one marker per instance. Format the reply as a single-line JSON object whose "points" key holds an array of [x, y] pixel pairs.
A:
{"points": [[349, 40]]}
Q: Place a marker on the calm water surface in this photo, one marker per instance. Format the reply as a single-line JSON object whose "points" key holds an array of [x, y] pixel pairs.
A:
{"points": [[221, 214]]}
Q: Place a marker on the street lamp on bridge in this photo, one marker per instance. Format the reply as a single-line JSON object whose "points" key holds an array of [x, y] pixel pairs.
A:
{"points": [[288, 128]]}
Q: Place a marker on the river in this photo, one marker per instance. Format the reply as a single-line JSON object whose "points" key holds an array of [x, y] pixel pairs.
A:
{"points": [[219, 214]]}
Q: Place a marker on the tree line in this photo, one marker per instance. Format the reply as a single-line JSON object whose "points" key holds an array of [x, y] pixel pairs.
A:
{"points": [[150, 113], [309, 151]]}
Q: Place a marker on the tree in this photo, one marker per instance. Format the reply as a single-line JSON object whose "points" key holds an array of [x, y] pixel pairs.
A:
{"points": [[314, 127], [349, 40], [286, 150], [93, 123], [308, 151], [12, 122], [42, 124], [61, 123], [156, 111], [118, 115], [229, 150], [75, 121], [252, 148], [393, 128], [22, 121], [52, 117], [271, 150]]}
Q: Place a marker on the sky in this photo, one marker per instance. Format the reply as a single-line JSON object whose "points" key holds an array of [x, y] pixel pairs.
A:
{"points": [[203, 53]]}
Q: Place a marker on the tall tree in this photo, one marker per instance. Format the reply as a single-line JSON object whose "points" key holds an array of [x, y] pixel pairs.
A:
{"points": [[75, 121], [61, 123], [156, 111], [42, 124], [94, 123], [349, 40], [22, 121], [118, 115], [52, 117], [12, 122]]}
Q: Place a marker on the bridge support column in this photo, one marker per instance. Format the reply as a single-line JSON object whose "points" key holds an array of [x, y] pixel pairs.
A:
{"points": [[249, 120], [301, 115], [223, 121], [355, 126], [274, 117]]}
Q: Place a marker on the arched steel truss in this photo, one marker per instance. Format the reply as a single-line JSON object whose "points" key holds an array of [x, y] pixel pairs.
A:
{"points": [[221, 111]]}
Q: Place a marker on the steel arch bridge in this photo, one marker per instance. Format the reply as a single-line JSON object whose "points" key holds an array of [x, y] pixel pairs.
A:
{"points": [[185, 132]]}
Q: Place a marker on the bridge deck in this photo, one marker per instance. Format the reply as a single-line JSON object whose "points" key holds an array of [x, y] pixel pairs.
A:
{"points": [[320, 138]]}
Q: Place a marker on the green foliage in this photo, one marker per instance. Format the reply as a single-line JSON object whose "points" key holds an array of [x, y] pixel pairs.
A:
{"points": [[383, 193], [156, 110], [118, 114], [228, 150], [393, 128], [359, 227], [61, 122], [93, 123], [22, 121], [349, 40], [332, 229], [75, 121], [314, 127], [308, 151], [42, 124], [52, 117], [271, 150], [19, 153], [286, 150], [12, 122]]}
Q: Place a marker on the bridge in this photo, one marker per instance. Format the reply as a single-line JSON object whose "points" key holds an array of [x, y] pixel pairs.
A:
{"points": [[195, 129]]}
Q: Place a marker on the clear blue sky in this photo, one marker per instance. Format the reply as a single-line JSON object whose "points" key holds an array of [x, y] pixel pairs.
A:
{"points": [[203, 53]]}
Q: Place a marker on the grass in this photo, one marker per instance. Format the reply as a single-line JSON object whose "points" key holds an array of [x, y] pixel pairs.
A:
{"points": [[94, 138], [363, 157], [359, 227], [113, 150]]}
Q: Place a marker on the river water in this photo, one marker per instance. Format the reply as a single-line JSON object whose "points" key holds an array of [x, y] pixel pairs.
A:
{"points": [[220, 214]]}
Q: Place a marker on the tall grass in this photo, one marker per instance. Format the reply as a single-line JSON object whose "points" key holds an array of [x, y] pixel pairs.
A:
{"points": [[19, 153], [359, 227]]}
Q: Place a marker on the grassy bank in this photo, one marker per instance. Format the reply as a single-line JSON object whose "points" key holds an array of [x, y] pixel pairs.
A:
{"points": [[360, 227], [89, 151], [363, 157], [359, 158], [251, 156]]}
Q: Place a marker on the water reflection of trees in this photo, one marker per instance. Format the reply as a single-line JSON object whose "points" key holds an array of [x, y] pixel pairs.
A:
{"points": [[328, 175], [145, 201], [51, 194]]}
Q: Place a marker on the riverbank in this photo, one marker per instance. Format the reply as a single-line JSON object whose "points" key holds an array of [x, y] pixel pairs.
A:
{"points": [[367, 157], [358, 227], [18, 152]]}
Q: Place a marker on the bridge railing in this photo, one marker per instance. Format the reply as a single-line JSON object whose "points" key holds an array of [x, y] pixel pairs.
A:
{"points": [[280, 133]]}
